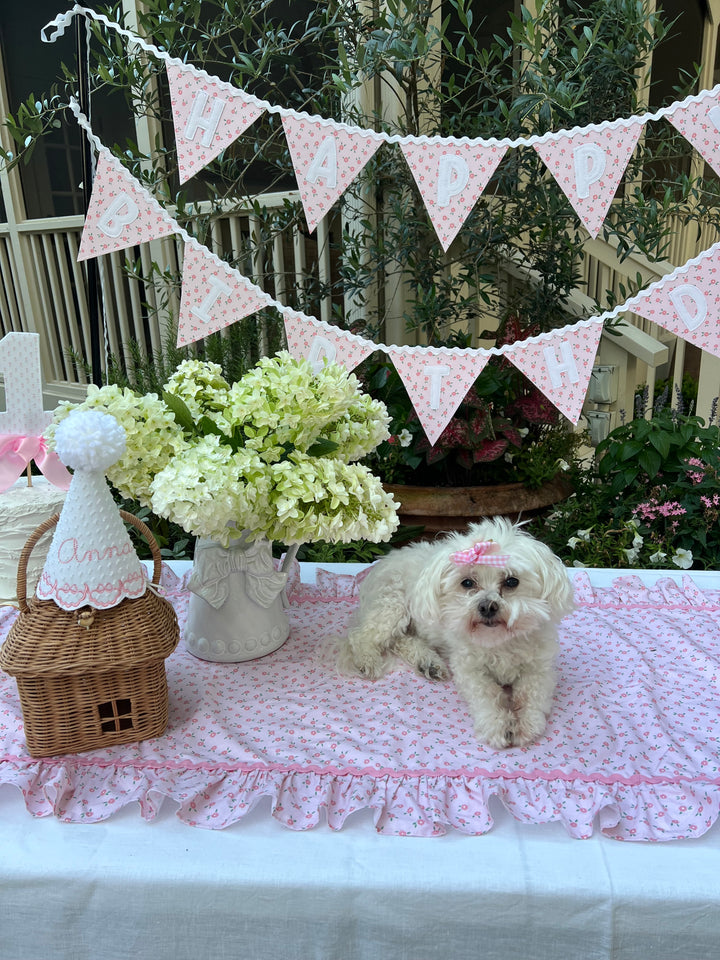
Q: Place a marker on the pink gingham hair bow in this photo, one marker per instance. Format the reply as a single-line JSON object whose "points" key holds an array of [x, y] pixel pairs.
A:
{"points": [[481, 552]]}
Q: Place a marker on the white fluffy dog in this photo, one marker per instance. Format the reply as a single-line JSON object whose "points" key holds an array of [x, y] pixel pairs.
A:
{"points": [[484, 604]]}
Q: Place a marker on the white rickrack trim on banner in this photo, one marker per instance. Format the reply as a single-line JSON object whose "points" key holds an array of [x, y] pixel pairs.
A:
{"points": [[63, 20]]}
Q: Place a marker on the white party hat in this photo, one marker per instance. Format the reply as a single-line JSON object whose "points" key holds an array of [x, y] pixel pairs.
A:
{"points": [[91, 560]]}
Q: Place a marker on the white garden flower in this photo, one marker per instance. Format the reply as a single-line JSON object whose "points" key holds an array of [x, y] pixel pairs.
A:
{"points": [[405, 437], [657, 557], [683, 558]]}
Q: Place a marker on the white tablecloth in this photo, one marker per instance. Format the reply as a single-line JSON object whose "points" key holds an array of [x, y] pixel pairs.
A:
{"points": [[127, 888]]}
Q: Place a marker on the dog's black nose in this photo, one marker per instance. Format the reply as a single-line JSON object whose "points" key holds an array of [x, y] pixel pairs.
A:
{"points": [[488, 608]]}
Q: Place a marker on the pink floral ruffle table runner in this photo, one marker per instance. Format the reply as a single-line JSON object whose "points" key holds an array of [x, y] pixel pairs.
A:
{"points": [[632, 745]]}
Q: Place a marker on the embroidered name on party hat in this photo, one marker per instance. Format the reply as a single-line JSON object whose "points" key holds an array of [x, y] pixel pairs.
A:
{"points": [[91, 560], [482, 552]]}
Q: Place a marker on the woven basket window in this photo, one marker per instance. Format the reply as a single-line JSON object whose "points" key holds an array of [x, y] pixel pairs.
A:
{"points": [[115, 715]]}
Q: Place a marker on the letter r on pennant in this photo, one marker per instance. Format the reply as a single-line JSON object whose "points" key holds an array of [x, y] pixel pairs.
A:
{"points": [[556, 368], [122, 211]]}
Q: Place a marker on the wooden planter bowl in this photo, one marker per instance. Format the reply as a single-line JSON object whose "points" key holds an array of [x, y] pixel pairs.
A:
{"points": [[440, 509]]}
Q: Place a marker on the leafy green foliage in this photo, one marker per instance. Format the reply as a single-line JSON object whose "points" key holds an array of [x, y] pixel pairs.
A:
{"points": [[654, 502]]}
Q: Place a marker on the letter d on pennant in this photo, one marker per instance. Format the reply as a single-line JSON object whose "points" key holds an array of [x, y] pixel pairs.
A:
{"points": [[680, 296]]}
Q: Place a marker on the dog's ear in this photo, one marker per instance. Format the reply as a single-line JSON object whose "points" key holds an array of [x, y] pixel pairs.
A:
{"points": [[431, 584], [557, 588]]}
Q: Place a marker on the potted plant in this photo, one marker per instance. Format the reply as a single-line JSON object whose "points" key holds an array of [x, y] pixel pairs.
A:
{"points": [[654, 501], [506, 450]]}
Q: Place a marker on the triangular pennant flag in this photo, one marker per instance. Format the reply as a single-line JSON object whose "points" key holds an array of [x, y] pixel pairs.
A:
{"points": [[687, 305], [560, 365], [437, 380], [208, 115], [313, 340], [450, 175], [121, 213], [589, 165], [327, 157], [213, 296], [699, 122]]}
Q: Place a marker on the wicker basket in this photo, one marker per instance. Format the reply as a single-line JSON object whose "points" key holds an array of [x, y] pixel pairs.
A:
{"points": [[90, 678]]}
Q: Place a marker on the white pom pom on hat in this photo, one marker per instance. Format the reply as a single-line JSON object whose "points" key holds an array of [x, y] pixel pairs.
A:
{"points": [[91, 560], [89, 440]]}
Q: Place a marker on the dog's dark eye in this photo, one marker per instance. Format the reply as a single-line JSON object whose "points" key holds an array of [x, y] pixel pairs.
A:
{"points": [[467, 583], [511, 582]]}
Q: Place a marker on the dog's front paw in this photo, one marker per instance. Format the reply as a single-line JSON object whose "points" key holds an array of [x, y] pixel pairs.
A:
{"points": [[530, 727], [499, 732], [434, 668]]}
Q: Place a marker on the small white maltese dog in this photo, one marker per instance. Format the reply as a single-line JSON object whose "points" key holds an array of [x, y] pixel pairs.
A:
{"points": [[484, 604]]}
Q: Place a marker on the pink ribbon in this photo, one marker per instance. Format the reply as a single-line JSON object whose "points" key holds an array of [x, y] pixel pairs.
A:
{"points": [[16, 452], [481, 552]]}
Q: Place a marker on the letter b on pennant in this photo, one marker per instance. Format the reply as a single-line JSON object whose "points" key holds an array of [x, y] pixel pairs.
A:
{"points": [[122, 211]]}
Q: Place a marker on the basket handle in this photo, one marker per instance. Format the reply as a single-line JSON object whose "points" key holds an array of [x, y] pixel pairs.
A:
{"points": [[50, 523]]}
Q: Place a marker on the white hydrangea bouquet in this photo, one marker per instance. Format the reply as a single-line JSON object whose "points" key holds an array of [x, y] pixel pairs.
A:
{"points": [[270, 456]]}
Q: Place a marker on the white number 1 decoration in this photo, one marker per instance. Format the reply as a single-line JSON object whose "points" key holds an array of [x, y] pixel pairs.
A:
{"points": [[20, 366]]}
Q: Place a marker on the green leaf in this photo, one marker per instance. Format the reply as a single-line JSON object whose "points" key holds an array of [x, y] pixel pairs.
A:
{"points": [[650, 461], [661, 442], [322, 447], [179, 408]]}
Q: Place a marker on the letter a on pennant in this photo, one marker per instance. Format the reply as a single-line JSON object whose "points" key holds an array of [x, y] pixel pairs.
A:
{"points": [[327, 157], [699, 123], [208, 115], [450, 175], [213, 296], [316, 341], [121, 213], [560, 365], [688, 304], [589, 166], [437, 382]]}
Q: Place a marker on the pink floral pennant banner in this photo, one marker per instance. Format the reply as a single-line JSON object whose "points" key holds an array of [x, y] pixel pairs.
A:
{"points": [[121, 213], [687, 305], [699, 123], [450, 175], [313, 340], [560, 365], [208, 115], [327, 157], [437, 380], [589, 165], [213, 296]]}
